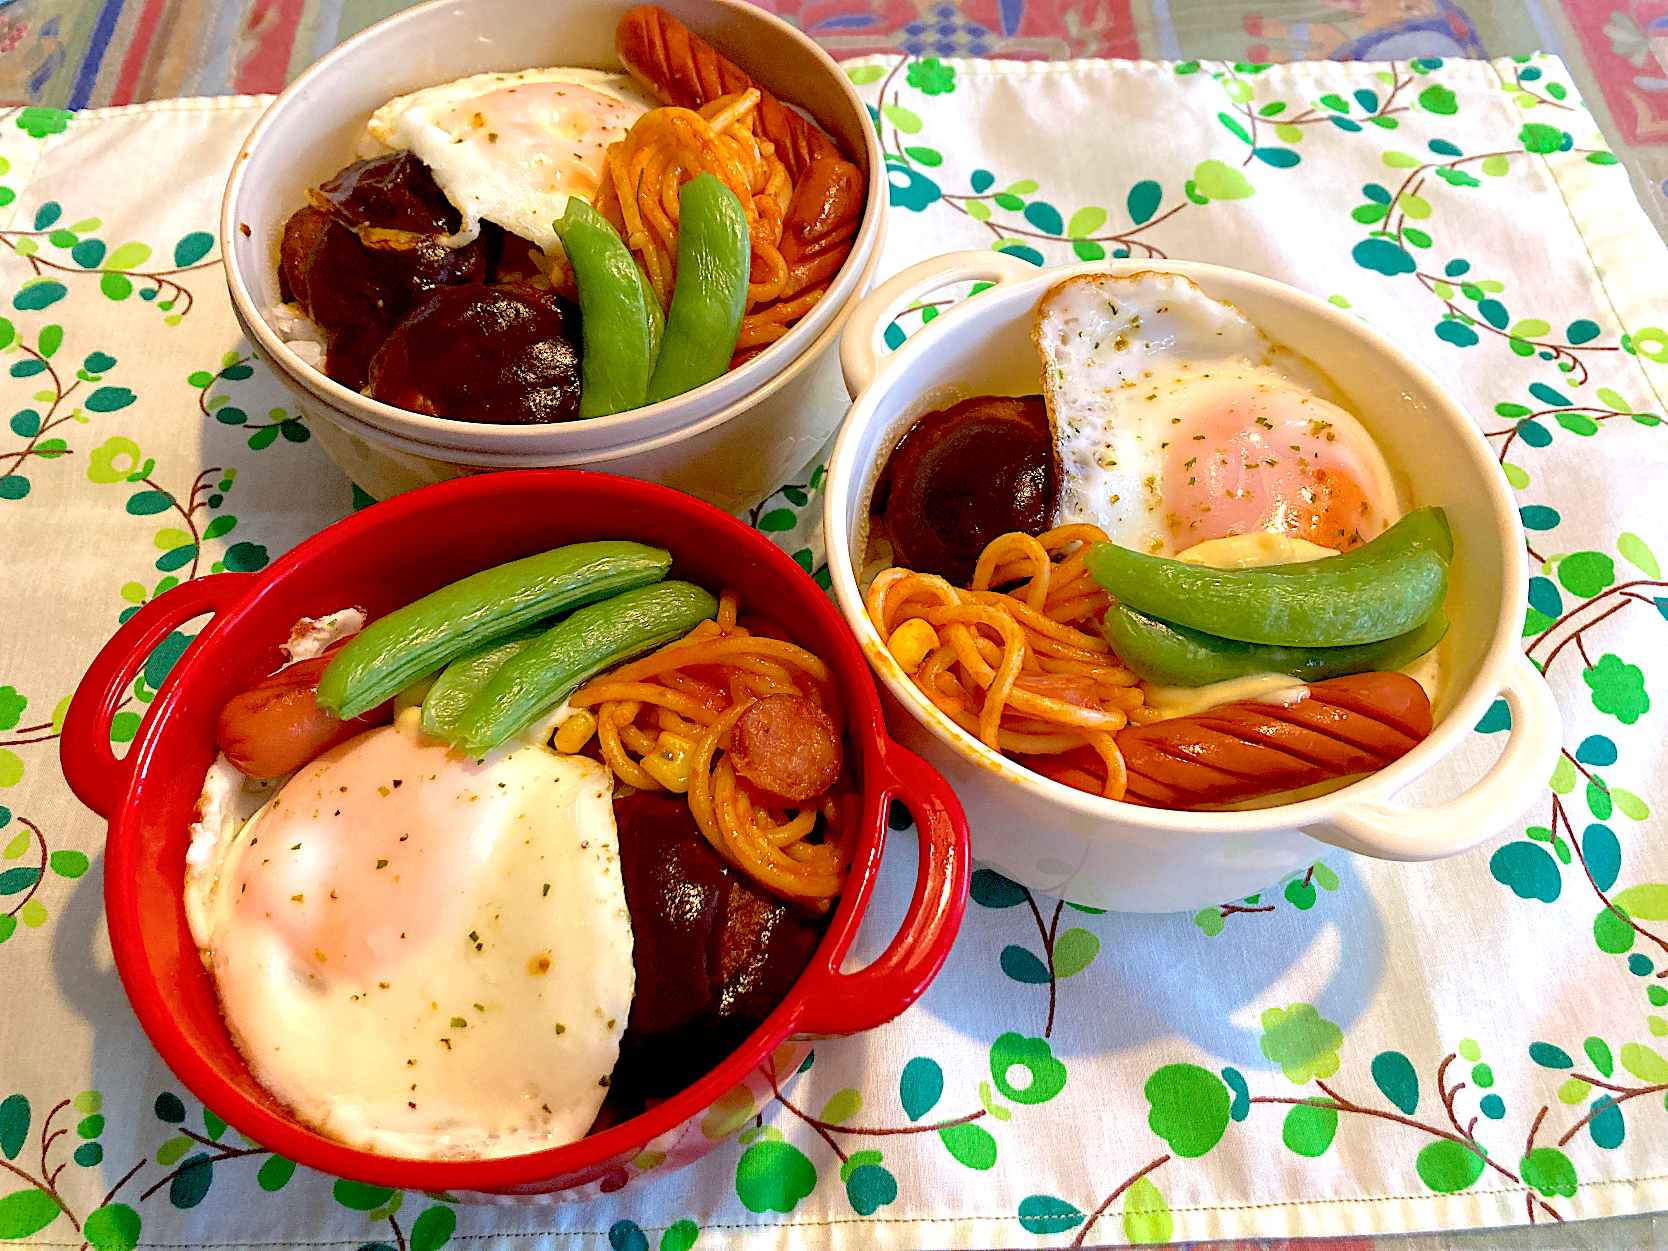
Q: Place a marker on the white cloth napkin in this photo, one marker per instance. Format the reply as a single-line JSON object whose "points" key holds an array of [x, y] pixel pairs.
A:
{"points": [[1144, 1091]]}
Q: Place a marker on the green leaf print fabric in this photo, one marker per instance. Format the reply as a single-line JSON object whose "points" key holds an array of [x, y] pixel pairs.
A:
{"points": [[1361, 1048]]}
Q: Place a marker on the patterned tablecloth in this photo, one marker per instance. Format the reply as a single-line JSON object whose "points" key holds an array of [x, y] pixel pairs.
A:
{"points": [[87, 53], [1363, 1048]]}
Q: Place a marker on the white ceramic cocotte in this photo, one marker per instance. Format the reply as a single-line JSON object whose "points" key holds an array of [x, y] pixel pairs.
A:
{"points": [[731, 441], [1106, 854]]}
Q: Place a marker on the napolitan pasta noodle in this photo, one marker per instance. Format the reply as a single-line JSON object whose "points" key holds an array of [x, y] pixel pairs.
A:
{"points": [[666, 722], [1014, 668], [667, 147]]}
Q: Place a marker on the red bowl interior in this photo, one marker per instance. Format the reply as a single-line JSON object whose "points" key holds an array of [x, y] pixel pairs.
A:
{"points": [[379, 559]]}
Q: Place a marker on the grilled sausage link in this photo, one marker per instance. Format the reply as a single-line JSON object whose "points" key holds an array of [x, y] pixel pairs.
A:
{"points": [[680, 68], [821, 217], [276, 726], [1349, 725]]}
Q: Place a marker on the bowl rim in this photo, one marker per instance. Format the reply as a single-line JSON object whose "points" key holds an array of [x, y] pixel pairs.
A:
{"points": [[774, 359], [596, 1154], [1018, 297]]}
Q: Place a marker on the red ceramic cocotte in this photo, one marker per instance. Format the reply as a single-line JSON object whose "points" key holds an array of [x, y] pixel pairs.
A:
{"points": [[378, 560]]}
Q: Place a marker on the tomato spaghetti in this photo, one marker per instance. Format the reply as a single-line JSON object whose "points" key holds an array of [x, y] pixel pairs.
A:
{"points": [[666, 148], [667, 722], [1015, 668]]}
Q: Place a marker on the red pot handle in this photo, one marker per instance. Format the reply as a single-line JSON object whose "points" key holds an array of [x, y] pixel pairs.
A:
{"points": [[98, 779], [847, 1003]]}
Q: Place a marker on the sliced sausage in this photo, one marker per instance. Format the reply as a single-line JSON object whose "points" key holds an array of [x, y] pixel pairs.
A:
{"points": [[786, 745], [1392, 698], [1345, 726], [1081, 768], [680, 68], [1302, 741], [827, 197]]}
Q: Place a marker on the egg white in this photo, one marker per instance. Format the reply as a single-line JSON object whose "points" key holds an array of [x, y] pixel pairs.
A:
{"points": [[420, 954], [512, 148]]}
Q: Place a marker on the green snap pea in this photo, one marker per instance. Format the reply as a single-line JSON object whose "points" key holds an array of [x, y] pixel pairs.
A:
{"points": [[1379, 590], [1175, 655], [619, 317], [589, 640], [409, 642], [462, 680], [714, 255]]}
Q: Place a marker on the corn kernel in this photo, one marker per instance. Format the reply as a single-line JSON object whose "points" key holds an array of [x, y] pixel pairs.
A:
{"points": [[409, 721], [575, 732], [911, 643], [414, 695], [669, 762]]}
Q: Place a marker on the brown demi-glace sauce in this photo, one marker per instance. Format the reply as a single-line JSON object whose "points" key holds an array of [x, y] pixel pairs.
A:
{"points": [[433, 362], [450, 332], [714, 953]]}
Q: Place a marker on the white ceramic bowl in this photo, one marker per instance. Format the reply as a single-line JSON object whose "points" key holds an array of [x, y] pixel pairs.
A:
{"points": [[729, 442], [1114, 855]]}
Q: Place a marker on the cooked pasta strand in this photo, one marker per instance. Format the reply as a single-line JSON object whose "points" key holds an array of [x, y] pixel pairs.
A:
{"points": [[1021, 669], [688, 696], [667, 147]]}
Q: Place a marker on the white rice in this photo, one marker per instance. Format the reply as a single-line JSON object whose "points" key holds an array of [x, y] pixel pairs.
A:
{"points": [[311, 636], [299, 332]]}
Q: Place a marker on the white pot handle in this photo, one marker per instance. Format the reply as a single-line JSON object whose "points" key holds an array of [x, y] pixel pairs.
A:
{"points": [[860, 359], [1387, 831]]}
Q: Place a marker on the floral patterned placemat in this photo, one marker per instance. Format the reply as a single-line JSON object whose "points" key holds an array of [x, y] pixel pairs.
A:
{"points": [[1363, 1048]]}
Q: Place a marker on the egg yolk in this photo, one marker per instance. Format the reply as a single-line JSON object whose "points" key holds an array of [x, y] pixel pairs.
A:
{"points": [[367, 853], [1275, 460]]}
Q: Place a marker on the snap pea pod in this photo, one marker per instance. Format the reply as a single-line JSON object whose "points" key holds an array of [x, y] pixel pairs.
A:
{"points": [[1379, 590], [1175, 655], [619, 317], [714, 255], [589, 640], [424, 635], [462, 680]]}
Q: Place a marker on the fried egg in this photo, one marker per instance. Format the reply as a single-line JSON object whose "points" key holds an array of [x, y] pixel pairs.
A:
{"points": [[420, 954], [1178, 422], [512, 148]]}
